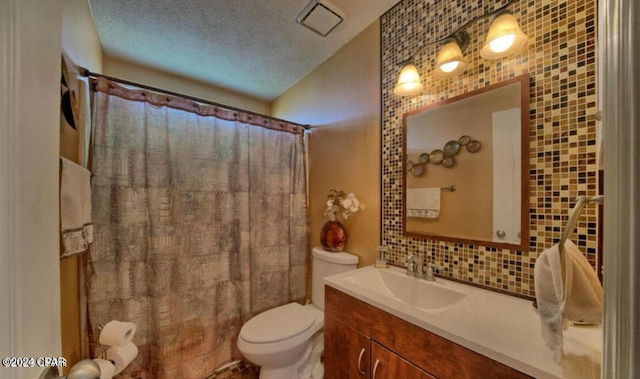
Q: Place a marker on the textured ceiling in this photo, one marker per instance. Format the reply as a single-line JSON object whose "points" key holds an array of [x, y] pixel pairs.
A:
{"points": [[255, 47]]}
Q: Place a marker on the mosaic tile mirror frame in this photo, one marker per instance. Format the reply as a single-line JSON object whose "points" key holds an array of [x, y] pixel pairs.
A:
{"points": [[560, 59]]}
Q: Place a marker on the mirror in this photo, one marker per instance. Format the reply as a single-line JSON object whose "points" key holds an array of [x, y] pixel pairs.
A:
{"points": [[466, 168]]}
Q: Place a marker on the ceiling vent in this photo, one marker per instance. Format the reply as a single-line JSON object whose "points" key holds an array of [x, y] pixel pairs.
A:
{"points": [[320, 16]]}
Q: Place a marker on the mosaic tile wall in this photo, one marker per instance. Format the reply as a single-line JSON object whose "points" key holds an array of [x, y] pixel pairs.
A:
{"points": [[561, 60]]}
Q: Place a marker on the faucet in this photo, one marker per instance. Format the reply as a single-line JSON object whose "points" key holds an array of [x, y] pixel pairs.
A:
{"points": [[414, 265]]}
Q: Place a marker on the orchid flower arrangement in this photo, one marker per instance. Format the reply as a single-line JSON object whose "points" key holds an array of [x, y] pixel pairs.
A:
{"points": [[339, 202]]}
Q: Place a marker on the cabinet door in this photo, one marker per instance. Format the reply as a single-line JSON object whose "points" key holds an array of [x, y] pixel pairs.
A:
{"points": [[388, 365], [346, 352]]}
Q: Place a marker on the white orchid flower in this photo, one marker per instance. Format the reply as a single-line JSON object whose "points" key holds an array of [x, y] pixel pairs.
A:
{"points": [[338, 203], [351, 203]]}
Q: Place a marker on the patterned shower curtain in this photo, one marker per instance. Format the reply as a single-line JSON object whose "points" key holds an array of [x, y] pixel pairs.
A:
{"points": [[200, 223]]}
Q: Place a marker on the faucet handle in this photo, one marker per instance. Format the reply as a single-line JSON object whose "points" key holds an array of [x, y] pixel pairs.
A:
{"points": [[412, 266]]}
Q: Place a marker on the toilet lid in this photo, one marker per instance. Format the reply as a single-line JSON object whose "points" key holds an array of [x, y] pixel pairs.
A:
{"points": [[278, 324]]}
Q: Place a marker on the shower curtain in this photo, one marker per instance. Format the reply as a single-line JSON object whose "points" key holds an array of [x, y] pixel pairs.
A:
{"points": [[200, 223]]}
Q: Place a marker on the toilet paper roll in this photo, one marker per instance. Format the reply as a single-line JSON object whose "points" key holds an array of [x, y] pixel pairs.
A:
{"points": [[107, 369], [117, 333], [121, 356]]}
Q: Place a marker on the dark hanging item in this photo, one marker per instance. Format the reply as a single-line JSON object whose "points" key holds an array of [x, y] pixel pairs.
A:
{"points": [[65, 103]]}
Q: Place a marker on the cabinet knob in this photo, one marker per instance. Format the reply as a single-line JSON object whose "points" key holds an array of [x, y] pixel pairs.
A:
{"points": [[501, 233], [360, 370]]}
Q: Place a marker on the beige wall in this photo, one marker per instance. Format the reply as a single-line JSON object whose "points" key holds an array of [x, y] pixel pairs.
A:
{"points": [[341, 101], [79, 37], [160, 79]]}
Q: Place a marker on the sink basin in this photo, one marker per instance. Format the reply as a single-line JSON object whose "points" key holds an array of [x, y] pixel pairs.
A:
{"points": [[418, 293]]}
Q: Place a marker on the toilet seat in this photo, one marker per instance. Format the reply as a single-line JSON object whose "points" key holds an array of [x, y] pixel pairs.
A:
{"points": [[278, 324]]}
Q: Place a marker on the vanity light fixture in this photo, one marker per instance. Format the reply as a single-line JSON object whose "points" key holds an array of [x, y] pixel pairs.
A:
{"points": [[409, 81], [504, 37], [450, 61]]}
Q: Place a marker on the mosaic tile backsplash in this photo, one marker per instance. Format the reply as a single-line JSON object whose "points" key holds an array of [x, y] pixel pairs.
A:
{"points": [[560, 59]]}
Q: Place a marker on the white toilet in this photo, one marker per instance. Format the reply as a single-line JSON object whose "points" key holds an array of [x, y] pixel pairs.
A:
{"points": [[279, 340]]}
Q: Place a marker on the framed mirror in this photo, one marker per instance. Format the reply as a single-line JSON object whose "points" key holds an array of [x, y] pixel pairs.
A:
{"points": [[466, 168]]}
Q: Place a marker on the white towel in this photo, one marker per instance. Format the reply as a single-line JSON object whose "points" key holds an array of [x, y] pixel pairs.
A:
{"points": [[423, 202], [575, 297], [75, 208]]}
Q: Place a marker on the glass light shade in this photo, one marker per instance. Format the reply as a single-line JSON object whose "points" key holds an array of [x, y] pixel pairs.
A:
{"points": [[409, 81], [450, 61], [504, 37]]}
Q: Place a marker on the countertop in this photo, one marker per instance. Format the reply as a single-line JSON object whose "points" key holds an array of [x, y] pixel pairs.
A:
{"points": [[502, 327]]}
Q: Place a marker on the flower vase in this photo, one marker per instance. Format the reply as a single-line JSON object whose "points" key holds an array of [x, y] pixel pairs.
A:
{"points": [[333, 236]]}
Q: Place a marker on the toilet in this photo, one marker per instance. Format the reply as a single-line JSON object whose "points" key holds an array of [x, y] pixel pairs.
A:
{"points": [[279, 340]]}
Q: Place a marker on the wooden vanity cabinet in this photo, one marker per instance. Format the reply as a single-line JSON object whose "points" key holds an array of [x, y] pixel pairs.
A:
{"points": [[349, 356], [357, 335], [385, 364], [354, 355]]}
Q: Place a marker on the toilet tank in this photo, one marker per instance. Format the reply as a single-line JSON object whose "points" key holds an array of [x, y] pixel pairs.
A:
{"points": [[326, 263]]}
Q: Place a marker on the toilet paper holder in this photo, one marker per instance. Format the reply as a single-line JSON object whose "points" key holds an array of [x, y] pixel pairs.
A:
{"points": [[85, 369]]}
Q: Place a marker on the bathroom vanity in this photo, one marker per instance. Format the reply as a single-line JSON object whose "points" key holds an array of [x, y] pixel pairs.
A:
{"points": [[371, 343], [380, 323]]}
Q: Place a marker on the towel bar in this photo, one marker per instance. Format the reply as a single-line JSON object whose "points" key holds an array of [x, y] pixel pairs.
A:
{"points": [[581, 201]]}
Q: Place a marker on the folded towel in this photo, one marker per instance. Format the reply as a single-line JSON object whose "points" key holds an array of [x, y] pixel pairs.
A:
{"points": [[75, 208], [423, 202], [575, 295]]}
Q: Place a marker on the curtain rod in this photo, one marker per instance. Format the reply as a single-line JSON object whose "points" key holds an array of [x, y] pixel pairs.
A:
{"points": [[87, 73]]}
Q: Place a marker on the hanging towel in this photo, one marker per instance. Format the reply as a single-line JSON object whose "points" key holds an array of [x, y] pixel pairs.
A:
{"points": [[575, 296], [75, 208], [583, 291], [423, 202]]}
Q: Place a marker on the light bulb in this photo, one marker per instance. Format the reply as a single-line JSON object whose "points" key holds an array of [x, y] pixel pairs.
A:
{"points": [[449, 66], [410, 86], [504, 37], [502, 43], [409, 76]]}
